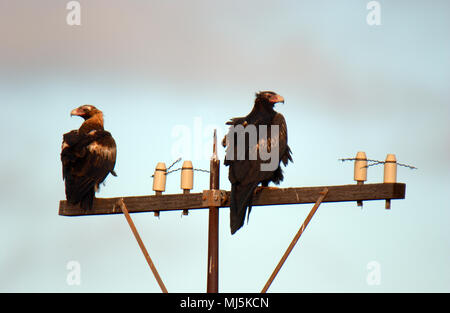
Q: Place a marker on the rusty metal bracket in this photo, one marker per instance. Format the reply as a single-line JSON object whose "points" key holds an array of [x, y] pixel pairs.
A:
{"points": [[214, 198]]}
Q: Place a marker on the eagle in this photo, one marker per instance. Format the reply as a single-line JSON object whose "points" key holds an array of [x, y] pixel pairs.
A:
{"points": [[256, 160], [88, 155]]}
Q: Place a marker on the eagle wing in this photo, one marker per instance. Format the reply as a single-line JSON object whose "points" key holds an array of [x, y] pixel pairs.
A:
{"points": [[249, 170], [245, 175], [279, 139], [87, 159]]}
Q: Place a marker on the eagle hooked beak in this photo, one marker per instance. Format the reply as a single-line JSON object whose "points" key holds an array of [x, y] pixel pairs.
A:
{"points": [[76, 112], [276, 99]]}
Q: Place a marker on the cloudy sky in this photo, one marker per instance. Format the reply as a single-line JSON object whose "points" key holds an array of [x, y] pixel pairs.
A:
{"points": [[165, 73]]}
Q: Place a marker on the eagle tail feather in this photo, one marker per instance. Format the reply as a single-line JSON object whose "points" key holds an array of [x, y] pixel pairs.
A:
{"points": [[241, 200], [81, 191]]}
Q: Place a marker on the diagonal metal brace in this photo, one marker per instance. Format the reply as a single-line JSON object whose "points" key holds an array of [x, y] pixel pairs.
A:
{"points": [[322, 196], [124, 209]]}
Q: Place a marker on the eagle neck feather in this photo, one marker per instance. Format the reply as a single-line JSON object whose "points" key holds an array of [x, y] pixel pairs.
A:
{"points": [[95, 122], [262, 113]]}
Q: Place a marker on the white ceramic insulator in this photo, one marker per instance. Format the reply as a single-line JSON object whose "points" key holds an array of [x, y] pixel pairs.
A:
{"points": [[360, 171], [159, 179], [187, 176], [390, 169]]}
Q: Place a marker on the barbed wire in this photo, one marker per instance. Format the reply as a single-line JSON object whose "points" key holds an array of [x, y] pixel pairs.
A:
{"points": [[194, 169], [377, 162], [177, 169], [175, 162]]}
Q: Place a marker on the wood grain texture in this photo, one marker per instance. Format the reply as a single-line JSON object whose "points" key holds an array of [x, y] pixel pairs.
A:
{"points": [[170, 202]]}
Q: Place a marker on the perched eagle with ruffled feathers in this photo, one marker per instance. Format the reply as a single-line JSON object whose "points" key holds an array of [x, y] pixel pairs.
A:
{"points": [[250, 167], [88, 155]]}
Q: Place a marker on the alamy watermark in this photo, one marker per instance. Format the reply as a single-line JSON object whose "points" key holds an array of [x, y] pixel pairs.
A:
{"points": [[195, 142], [73, 17], [373, 277], [73, 277], [373, 18], [260, 145]]}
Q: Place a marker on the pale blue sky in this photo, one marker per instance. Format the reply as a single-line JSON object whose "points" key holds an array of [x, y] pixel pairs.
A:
{"points": [[154, 66]]}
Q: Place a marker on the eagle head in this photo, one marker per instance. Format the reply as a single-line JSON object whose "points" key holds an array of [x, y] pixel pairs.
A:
{"points": [[268, 98], [85, 111]]}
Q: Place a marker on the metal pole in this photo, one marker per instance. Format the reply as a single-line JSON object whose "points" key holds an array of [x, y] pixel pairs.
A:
{"points": [[212, 285]]}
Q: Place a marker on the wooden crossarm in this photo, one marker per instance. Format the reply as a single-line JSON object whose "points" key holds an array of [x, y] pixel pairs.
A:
{"points": [[279, 196]]}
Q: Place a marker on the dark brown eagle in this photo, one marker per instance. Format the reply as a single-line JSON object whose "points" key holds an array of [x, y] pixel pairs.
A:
{"points": [[259, 160], [88, 155]]}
